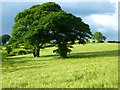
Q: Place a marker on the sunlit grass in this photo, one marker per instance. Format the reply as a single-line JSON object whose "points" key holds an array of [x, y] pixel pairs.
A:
{"points": [[88, 66]]}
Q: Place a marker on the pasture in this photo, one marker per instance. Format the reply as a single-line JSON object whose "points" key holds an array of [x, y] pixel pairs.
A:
{"points": [[94, 65]]}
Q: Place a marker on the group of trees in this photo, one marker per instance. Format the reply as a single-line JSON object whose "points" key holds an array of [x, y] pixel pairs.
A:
{"points": [[41, 24], [47, 22]]}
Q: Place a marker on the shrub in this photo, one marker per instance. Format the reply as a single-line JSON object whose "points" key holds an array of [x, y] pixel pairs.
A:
{"points": [[28, 52], [15, 45], [22, 52], [4, 55], [93, 41], [8, 48], [12, 53], [101, 41], [87, 41]]}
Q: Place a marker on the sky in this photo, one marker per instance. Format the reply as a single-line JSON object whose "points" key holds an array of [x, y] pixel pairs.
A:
{"points": [[101, 16]]}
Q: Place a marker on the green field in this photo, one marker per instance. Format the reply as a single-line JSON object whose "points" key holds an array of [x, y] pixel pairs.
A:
{"points": [[88, 66]]}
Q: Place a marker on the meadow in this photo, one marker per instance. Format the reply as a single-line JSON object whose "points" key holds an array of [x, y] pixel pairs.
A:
{"points": [[94, 65]]}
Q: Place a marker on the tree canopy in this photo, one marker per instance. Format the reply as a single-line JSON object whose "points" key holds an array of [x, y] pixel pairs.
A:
{"points": [[43, 23], [28, 28], [66, 28], [4, 38], [98, 37]]}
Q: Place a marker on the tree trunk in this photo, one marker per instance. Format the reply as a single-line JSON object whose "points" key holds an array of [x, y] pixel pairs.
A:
{"points": [[63, 50], [64, 55], [34, 54], [38, 52]]}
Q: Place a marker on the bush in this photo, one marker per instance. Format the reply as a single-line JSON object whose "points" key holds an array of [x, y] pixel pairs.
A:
{"points": [[87, 41], [22, 52], [15, 45], [12, 53], [93, 41], [101, 41], [28, 52], [8, 48], [4, 54]]}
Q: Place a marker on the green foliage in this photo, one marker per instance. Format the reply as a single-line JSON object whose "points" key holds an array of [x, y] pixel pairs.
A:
{"points": [[28, 27], [22, 52], [65, 28], [99, 37], [49, 6], [15, 44], [19, 51], [12, 53], [40, 24], [4, 54], [4, 38], [8, 49]]}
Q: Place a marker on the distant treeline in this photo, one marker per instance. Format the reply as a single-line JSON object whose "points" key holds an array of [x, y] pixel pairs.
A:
{"points": [[113, 41]]}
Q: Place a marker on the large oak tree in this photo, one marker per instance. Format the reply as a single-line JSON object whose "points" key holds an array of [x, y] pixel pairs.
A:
{"points": [[47, 22]]}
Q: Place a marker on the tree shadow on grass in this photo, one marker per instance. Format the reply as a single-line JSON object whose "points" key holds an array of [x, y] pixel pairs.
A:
{"points": [[94, 54], [71, 55], [30, 67], [23, 59], [14, 61], [13, 68], [51, 55]]}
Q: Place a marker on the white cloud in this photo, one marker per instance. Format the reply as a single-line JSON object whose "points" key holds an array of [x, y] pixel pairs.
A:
{"points": [[114, 1], [105, 23]]}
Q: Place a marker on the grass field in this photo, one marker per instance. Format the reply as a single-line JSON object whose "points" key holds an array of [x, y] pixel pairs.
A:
{"points": [[88, 66]]}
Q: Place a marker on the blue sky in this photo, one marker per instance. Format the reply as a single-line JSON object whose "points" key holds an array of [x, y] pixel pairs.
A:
{"points": [[101, 16]]}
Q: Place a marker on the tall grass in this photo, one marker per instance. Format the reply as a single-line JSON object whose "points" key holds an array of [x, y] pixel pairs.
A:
{"points": [[88, 66]]}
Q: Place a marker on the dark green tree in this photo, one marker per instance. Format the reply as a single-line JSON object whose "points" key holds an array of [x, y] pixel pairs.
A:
{"points": [[97, 36], [65, 29], [43, 23], [4, 38], [28, 28]]}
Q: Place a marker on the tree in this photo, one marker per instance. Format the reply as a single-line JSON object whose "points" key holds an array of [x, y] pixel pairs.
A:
{"points": [[98, 37], [28, 28], [4, 38], [47, 22], [65, 29]]}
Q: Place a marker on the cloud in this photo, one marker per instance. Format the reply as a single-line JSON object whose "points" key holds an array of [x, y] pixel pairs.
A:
{"points": [[105, 23], [87, 8]]}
